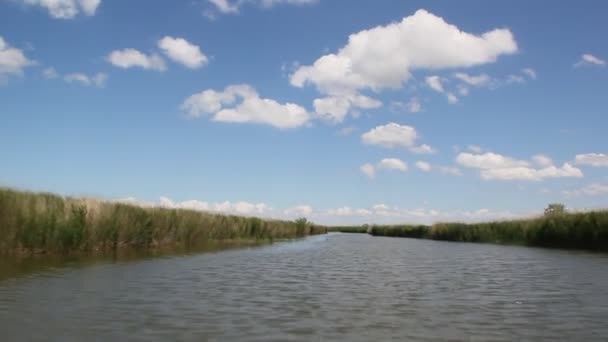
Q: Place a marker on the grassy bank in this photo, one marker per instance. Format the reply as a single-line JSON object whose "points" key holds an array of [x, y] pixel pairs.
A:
{"points": [[588, 230], [48, 223]]}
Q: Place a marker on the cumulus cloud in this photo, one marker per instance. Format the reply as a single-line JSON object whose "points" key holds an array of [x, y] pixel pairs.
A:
{"points": [[234, 6], [384, 56], [531, 73], [50, 73], [298, 211], [66, 9], [99, 80], [392, 164], [394, 135], [475, 148], [237, 208], [477, 81], [590, 60], [427, 167], [242, 104], [12, 60], [434, 82], [494, 166], [424, 166], [542, 160], [378, 213], [369, 170], [595, 189], [414, 105], [335, 108], [183, 52], [129, 58], [592, 159]]}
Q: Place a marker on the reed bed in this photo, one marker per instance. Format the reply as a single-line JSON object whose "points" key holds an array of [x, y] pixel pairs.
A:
{"points": [[48, 223], [586, 230]]}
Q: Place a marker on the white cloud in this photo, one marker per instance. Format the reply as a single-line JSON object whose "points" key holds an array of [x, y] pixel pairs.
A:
{"points": [[99, 80], [422, 149], [592, 159], [424, 166], [477, 81], [452, 98], [392, 164], [224, 6], [377, 213], [233, 6], [394, 135], [488, 160], [384, 56], [369, 170], [475, 148], [434, 82], [515, 79], [595, 189], [589, 59], [50, 73], [542, 160], [335, 108], [237, 208], [346, 130], [12, 60], [494, 166], [181, 51], [427, 167], [225, 107], [385, 214], [66, 9], [414, 105], [531, 73], [298, 211], [450, 170], [128, 58]]}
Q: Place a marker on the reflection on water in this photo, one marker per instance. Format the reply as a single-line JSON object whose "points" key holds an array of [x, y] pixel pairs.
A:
{"points": [[331, 287]]}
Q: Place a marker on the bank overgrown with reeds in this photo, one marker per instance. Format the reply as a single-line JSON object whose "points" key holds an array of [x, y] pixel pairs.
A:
{"points": [[586, 230], [48, 223]]}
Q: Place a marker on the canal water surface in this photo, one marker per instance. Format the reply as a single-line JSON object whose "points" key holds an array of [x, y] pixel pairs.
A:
{"points": [[334, 287]]}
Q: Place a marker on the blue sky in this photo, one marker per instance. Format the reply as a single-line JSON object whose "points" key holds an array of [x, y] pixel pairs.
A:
{"points": [[340, 111]]}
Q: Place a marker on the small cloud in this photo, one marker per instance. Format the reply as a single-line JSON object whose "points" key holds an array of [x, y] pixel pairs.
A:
{"points": [[414, 105], [346, 131], [590, 60], [183, 52], [50, 73], [592, 159], [98, 80], [531, 73], [369, 170], [129, 58]]}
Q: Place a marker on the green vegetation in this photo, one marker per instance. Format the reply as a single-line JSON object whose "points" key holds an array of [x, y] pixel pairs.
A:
{"points": [[47, 223], [558, 229], [350, 229]]}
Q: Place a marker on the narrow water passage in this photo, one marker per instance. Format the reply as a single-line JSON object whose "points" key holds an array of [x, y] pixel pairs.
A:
{"points": [[350, 287]]}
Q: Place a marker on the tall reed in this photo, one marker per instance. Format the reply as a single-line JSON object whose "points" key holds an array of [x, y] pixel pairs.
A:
{"points": [[587, 230], [43, 222]]}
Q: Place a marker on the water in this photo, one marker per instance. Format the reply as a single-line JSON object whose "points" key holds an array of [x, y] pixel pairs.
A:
{"points": [[349, 287]]}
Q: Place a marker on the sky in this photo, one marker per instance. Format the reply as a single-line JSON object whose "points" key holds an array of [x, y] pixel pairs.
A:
{"points": [[344, 112]]}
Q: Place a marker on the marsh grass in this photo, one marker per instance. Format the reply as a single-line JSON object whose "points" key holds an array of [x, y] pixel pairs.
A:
{"points": [[587, 230], [48, 223]]}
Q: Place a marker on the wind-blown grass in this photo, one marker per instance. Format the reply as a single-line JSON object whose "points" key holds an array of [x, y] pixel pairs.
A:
{"points": [[588, 230], [43, 222]]}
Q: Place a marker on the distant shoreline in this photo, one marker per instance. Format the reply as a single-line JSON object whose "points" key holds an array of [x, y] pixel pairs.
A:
{"points": [[580, 230]]}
